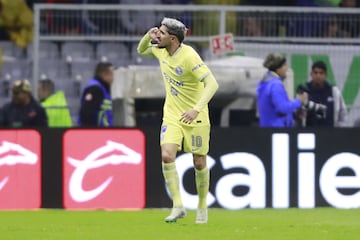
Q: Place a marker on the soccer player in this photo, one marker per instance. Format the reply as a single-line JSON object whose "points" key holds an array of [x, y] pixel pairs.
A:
{"points": [[189, 86]]}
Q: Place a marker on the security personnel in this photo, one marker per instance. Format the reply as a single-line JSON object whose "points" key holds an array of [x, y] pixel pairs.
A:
{"points": [[23, 110], [96, 101], [55, 104]]}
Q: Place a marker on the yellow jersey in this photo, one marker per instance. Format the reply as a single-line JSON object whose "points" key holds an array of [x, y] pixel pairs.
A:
{"points": [[183, 75]]}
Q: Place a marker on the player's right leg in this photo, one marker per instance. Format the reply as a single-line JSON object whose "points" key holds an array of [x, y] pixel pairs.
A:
{"points": [[170, 141]]}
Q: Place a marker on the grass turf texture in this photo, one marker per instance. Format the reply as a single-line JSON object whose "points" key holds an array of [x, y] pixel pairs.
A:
{"points": [[319, 223]]}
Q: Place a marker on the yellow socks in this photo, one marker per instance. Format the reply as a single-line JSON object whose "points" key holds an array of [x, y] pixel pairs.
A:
{"points": [[202, 178], [172, 182]]}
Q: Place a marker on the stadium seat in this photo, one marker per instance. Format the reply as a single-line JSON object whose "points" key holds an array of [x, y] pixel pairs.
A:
{"points": [[74, 107], [48, 50], [80, 74], [11, 50], [53, 69], [116, 53], [16, 70], [83, 70], [137, 59], [77, 51]]}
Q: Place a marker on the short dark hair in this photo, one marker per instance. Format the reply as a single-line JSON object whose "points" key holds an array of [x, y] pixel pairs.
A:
{"points": [[101, 68], [319, 64], [47, 84], [175, 27]]}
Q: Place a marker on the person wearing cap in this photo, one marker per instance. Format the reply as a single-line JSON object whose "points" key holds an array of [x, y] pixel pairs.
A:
{"points": [[189, 86], [23, 110], [275, 107], [54, 103]]}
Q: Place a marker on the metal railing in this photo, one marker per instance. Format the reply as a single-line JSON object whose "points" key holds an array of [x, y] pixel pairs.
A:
{"points": [[265, 28]]}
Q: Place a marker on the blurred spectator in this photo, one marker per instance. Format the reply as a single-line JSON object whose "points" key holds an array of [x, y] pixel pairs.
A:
{"points": [[307, 3], [333, 30], [315, 3], [252, 27], [268, 3], [138, 22], [96, 102], [55, 104], [62, 21], [350, 23], [208, 23], [348, 3], [16, 18], [23, 110], [95, 21]]}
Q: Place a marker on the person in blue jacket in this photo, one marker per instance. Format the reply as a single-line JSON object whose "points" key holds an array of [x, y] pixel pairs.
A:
{"points": [[96, 101], [275, 107]]}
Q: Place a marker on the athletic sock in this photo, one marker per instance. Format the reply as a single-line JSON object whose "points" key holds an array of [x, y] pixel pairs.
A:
{"points": [[172, 182], [202, 178]]}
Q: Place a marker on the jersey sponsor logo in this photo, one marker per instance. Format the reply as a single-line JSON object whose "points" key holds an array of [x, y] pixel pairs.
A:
{"points": [[172, 81], [179, 71], [20, 169], [98, 176], [173, 91]]}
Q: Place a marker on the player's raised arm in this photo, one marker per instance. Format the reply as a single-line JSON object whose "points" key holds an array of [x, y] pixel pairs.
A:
{"points": [[145, 44]]}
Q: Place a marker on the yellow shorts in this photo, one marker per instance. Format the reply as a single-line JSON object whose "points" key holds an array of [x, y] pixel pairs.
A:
{"points": [[194, 139]]}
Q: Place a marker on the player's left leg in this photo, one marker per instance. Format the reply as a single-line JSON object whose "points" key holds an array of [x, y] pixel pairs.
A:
{"points": [[202, 178], [196, 141]]}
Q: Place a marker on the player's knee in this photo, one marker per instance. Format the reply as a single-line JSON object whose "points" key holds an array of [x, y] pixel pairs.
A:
{"points": [[199, 162], [167, 158]]}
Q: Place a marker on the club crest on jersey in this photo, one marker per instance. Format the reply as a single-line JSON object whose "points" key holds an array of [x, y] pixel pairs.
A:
{"points": [[179, 71]]}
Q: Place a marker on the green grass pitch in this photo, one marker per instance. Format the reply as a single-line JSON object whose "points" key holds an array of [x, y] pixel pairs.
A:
{"points": [[267, 224]]}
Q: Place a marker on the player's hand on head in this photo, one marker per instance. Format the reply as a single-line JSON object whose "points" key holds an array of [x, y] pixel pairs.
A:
{"points": [[154, 33], [189, 116]]}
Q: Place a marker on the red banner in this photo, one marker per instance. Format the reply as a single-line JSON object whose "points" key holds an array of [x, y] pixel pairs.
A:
{"points": [[104, 169], [222, 44], [20, 169]]}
